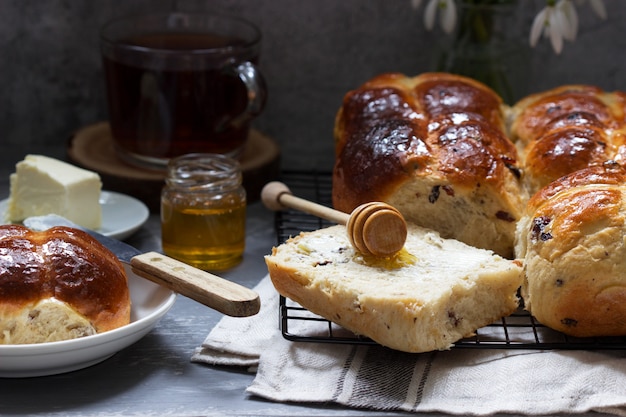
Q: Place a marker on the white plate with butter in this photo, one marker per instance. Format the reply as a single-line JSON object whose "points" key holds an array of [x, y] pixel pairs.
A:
{"points": [[122, 215], [150, 302]]}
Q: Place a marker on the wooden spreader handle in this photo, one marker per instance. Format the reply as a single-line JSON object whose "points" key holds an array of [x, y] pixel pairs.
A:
{"points": [[374, 228], [216, 292]]}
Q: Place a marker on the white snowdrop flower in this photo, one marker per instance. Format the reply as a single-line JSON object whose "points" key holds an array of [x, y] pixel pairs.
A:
{"points": [[597, 6], [557, 22], [538, 26], [569, 19], [447, 17]]}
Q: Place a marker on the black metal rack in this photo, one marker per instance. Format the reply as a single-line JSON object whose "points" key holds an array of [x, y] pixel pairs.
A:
{"points": [[517, 331]]}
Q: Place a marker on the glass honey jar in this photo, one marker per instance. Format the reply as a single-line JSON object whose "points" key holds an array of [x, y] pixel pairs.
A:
{"points": [[203, 211]]}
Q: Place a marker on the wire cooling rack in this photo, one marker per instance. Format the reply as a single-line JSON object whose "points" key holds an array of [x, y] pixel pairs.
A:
{"points": [[517, 331]]}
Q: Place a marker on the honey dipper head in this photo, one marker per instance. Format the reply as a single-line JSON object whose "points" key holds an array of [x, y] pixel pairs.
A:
{"points": [[377, 229]]}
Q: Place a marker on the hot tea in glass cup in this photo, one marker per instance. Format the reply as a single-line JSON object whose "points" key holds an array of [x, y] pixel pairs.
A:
{"points": [[181, 83]]}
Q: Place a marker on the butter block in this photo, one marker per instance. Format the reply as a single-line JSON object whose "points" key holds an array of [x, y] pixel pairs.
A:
{"points": [[42, 185]]}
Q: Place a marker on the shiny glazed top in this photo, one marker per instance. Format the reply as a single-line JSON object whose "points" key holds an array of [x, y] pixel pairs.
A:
{"points": [[394, 126], [568, 128]]}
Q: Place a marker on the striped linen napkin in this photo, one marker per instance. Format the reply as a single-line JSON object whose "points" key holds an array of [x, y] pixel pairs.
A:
{"points": [[459, 381]]}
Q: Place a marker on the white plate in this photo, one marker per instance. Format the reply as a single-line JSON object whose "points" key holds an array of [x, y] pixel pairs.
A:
{"points": [[150, 302], [122, 215]]}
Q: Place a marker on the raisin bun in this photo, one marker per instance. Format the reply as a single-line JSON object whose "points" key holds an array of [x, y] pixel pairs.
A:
{"points": [[572, 241], [565, 129], [58, 284], [433, 146]]}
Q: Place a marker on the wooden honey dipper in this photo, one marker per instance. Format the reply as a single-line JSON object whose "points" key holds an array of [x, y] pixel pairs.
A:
{"points": [[374, 228]]}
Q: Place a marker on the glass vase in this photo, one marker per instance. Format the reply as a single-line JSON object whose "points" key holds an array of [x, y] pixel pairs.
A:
{"points": [[490, 45]]}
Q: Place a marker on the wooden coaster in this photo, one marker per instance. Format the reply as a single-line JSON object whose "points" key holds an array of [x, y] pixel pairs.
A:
{"points": [[92, 148]]}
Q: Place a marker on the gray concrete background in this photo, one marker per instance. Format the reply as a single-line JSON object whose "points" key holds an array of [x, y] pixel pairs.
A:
{"points": [[313, 52]]}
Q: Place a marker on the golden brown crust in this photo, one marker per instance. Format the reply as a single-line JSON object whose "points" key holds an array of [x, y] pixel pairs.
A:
{"points": [[65, 264], [470, 151], [444, 94], [567, 128], [534, 112], [609, 173], [566, 150]]}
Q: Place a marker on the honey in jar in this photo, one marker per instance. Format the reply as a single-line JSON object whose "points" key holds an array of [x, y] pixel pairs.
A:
{"points": [[203, 211]]}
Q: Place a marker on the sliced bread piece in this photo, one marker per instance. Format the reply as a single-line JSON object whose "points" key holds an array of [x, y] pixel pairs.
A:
{"points": [[431, 294]]}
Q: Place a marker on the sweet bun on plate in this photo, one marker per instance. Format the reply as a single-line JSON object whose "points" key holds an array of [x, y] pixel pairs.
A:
{"points": [[58, 284]]}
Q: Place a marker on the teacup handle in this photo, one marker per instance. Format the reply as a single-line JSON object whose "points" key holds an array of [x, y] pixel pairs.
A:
{"points": [[256, 88]]}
